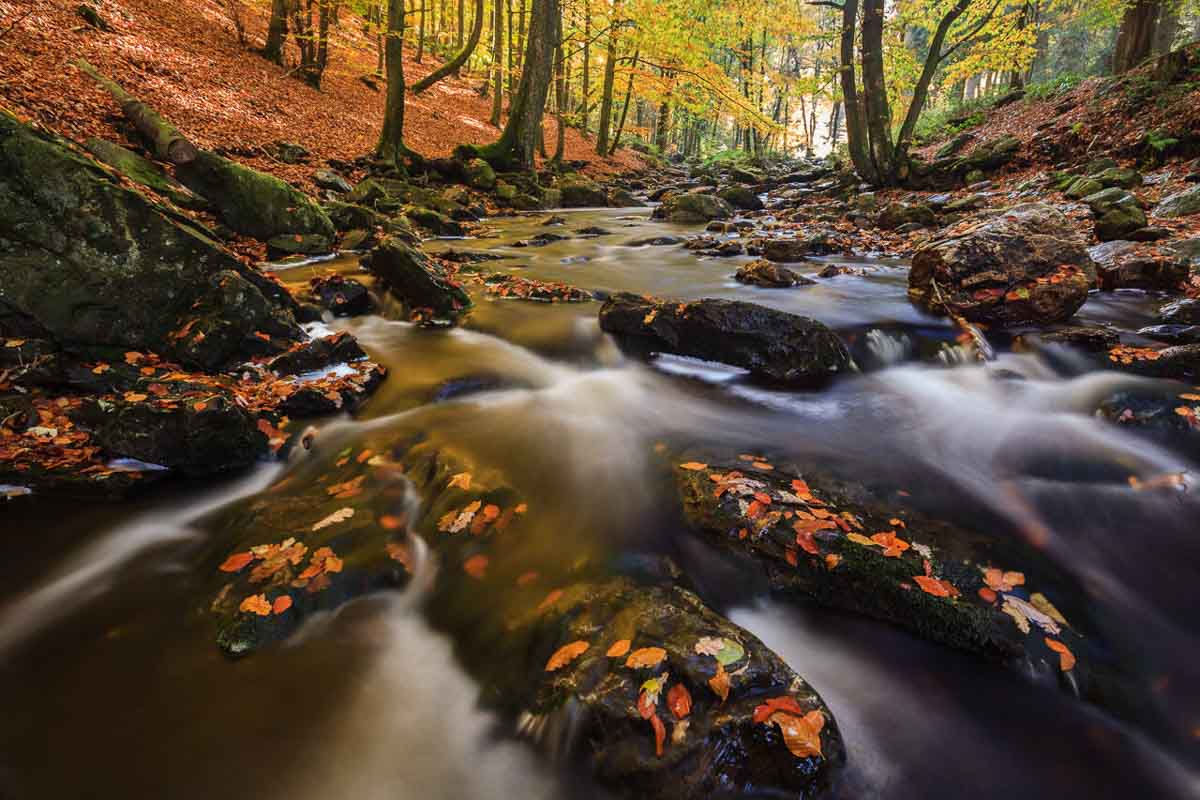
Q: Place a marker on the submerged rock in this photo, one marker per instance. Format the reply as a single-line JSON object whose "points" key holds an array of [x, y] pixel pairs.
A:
{"points": [[1126, 265], [344, 297], [417, 280], [769, 343], [1025, 265], [580, 191]]}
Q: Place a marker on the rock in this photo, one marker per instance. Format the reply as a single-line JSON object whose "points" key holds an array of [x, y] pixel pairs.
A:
{"points": [[1151, 411], [553, 656], [1172, 334], [252, 202], [787, 250], [954, 145], [593, 230], [1117, 213], [290, 152], [745, 175], [327, 179], [1187, 248], [195, 438], [299, 244], [1082, 187], [314, 354], [349, 217], [580, 191], [1180, 204], [741, 197], [897, 214], [970, 202], [1024, 265], [436, 222], [91, 15], [551, 198], [1121, 178], [655, 241], [772, 344], [97, 266], [1181, 362], [144, 172], [770, 276], [505, 191], [1092, 340], [1151, 233], [479, 175], [416, 280], [1126, 265], [342, 296], [1181, 312], [693, 207], [622, 198], [867, 201], [919, 573]]}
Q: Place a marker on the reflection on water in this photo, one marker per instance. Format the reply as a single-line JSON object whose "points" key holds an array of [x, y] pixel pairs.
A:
{"points": [[108, 666]]}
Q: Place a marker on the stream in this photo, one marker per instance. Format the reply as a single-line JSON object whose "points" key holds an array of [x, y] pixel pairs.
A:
{"points": [[112, 686]]}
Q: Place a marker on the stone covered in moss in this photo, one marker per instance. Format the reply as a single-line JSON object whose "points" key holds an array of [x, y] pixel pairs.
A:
{"points": [[417, 280]]}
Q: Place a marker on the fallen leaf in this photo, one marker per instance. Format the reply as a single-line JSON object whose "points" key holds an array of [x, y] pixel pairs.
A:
{"points": [[801, 735], [462, 480], [256, 604], [719, 683], [236, 562], [341, 515], [935, 587], [550, 600], [725, 651], [566, 654], [1039, 601], [476, 566], [1001, 581], [646, 657], [281, 604], [660, 734], [770, 706], [618, 649], [679, 700], [1066, 659], [694, 466]]}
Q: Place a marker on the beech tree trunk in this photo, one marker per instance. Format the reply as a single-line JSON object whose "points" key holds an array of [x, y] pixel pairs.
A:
{"points": [[1135, 41], [519, 140], [391, 139], [459, 59], [606, 95], [497, 61], [624, 106], [587, 63], [277, 31], [166, 142], [856, 127]]}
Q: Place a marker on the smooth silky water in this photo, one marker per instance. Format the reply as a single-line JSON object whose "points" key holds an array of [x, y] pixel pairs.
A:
{"points": [[113, 686]]}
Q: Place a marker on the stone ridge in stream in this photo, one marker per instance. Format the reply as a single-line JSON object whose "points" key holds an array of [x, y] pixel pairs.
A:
{"points": [[772, 344], [558, 647], [831, 541]]}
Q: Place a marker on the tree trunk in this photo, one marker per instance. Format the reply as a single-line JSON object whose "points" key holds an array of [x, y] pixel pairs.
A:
{"points": [[856, 128], [1168, 28], [277, 31], [875, 100], [1135, 41], [167, 143], [587, 62], [497, 61], [624, 106], [462, 23], [391, 139], [606, 95], [459, 59], [560, 99], [518, 142], [421, 31]]}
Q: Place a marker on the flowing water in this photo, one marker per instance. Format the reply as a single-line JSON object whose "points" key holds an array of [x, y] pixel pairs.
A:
{"points": [[112, 685]]}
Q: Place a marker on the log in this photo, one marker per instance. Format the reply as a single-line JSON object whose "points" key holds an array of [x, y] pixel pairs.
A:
{"points": [[167, 143]]}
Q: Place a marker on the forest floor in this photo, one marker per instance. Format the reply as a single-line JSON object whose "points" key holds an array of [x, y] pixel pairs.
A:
{"points": [[184, 59]]}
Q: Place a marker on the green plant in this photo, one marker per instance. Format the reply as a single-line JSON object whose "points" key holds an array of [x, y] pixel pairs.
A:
{"points": [[1060, 84]]}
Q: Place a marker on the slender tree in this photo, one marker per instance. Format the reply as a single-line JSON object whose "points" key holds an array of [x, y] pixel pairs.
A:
{"points": [[497, 61], [606, 92], [391, 139], [459, 59]]}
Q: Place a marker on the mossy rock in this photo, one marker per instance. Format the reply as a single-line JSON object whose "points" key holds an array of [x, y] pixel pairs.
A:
{"points": [[143, 171], [479, 174], [416, 280], [252, 202], [580, 191], [693, 207]]}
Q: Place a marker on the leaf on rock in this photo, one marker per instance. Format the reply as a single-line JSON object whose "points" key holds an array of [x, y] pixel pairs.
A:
{"points": [[719, 683], [476, 566], [236, 562], [566, 654], [679, 700], [646, 657], [618, 649], [802, 735], [281, 604], [256, 604], [694, 466], [1001, 581], [1066, 659], [660, 734], [341, 515], [1039, 601], [462, 480]]}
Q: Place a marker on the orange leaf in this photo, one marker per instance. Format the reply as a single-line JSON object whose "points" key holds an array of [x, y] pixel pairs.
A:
{"points": [[618, 649], [390, 522], [802, 735], [762, 465], [281, 604], [679, 700], [236, 562], [785, 703], [476, 566], [1001, 581], [935, 587], [694, 466], [256, 604], [550, 600], [660, 734], [987, 594], [646, 657], [566, 654], [462, 480], [1066, 659], [719, 683]]}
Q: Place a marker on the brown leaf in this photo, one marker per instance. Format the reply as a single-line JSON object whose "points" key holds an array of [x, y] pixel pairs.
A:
{"points": [[802, 735], [256, 604], [281, 604], [679, 700], [719, 683], [646, 657], [236, 562]]}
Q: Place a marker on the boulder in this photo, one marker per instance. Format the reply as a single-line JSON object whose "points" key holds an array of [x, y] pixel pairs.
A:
{"points": [[580, 191], [435, 221], [479, 175], [771, 344], [143, 171], [1082, 187], [796, 249], [328, 179], [1025, 265], [1128, 265], [351, 217], [1180, 204], [1089, 339], [299, 244], [1181, 312], [655, 241], [894, 215], [1118, 177], [954, 145], [1118, 213], [742, 197], [251, 202], [341, 296], [745, 175], [622, 198], [417, 280], [693, 207], [767, 275], [99, 267]]}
